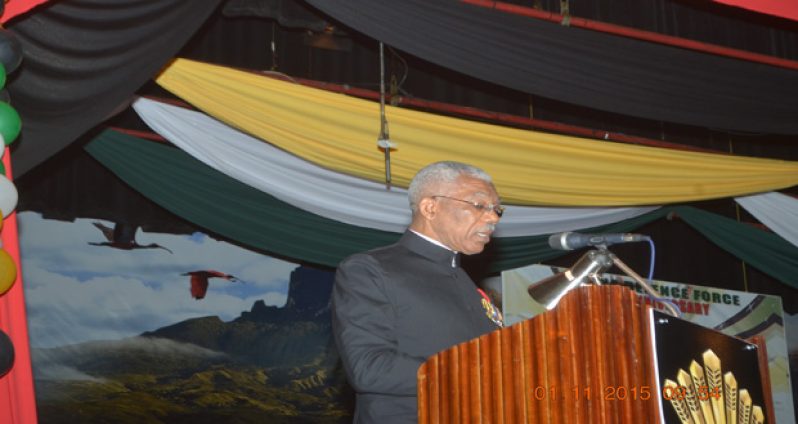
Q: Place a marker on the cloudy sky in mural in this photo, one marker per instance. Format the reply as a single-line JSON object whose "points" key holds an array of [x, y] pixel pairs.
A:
{"points": [[77, 292]]}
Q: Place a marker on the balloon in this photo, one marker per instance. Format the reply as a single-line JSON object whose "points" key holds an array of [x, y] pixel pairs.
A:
{"points": [[2, 75], [9, 123], [6, 353], [10, 50], [5, 96], [8, 196], [8, 271]]}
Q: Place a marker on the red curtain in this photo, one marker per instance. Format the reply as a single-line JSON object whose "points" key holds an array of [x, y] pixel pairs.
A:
{"points": [[17, 7], [781, 8], [17, 400]]}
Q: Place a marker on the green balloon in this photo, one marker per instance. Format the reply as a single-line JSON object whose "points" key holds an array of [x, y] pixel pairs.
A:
{"points": [[10, 124], [2, 76]]}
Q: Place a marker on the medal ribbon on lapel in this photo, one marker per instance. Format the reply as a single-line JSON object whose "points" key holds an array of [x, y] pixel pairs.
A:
{"points": [[491, 311]]}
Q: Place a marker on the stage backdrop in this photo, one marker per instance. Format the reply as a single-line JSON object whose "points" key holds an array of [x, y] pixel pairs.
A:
{"points": [[736, 313], [124, 336]]}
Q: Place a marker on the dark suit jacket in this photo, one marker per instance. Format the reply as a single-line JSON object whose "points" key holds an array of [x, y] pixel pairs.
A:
{"points": [[392, 308]]}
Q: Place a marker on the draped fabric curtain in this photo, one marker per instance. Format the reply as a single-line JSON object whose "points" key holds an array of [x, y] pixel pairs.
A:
{"points": [[767, 252], [16, 8], [582, 67], [777, 211], [529, 167], [330, 194], [210, 199], [82, 60], [781, 8]]}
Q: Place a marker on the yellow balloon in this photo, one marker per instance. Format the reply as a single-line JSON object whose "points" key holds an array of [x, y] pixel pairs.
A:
{"points": [[8, 271]]}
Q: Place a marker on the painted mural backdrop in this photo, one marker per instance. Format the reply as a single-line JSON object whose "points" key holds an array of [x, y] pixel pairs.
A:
{"points": [[129, 327], [742, 314]]}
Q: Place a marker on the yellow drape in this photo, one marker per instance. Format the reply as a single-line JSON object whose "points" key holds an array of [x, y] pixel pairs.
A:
{"points": [[528, 167]]}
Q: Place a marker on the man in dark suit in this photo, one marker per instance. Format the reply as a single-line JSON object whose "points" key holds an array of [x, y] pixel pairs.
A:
{"points": [[395, 306]]}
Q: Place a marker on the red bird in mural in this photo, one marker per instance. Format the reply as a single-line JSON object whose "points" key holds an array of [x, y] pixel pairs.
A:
{"points": [[123, 236], [199, 281]]}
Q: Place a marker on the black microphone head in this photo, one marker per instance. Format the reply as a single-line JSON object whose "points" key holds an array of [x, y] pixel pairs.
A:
{"points": [[573, 241]]}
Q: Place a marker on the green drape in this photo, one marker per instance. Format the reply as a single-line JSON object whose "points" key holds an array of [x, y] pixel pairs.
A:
{"points": [[765, 251], [210, 199], [223, 205]]}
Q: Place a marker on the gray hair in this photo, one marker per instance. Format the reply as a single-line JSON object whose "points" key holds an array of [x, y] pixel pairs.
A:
{"points": [[437, 173]]}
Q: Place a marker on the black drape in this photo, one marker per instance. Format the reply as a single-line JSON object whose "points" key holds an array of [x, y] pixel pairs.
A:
{"points": [[82, 59], [289, 13], [582, 67]]}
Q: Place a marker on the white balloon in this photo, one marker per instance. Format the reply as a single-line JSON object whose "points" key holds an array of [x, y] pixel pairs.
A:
{"points": [[8, 196]]}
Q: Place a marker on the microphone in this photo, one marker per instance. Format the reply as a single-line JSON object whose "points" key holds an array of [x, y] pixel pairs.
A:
{"points": [[571, 241]]}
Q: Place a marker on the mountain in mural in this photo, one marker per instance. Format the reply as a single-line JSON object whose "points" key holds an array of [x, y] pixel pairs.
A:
{"points": [[271, 364], [293, 335]]}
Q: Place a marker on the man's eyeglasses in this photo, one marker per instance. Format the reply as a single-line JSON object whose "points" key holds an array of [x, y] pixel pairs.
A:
{"points": [[481, 207]]}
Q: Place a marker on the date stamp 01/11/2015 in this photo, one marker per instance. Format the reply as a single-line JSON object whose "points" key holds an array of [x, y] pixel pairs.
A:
{"points": [[621, 393]]}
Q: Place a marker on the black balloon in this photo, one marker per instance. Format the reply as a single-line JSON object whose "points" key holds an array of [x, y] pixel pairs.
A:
{"points": [[6, 353], [5, 96], [10, 50]]}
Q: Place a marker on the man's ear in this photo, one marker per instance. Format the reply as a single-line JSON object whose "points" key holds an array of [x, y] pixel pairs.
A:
{"points": [[428, 208]]}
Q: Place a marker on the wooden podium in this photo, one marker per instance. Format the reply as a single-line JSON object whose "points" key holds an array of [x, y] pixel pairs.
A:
{"points": [[589, 360]]}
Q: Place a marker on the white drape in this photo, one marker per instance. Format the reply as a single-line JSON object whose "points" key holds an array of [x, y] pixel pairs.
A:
{"points": [[777, 211], [331, 194]]}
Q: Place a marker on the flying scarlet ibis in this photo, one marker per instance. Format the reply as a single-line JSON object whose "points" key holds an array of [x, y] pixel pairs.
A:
{"points": [[123, 236], [199, 281]]}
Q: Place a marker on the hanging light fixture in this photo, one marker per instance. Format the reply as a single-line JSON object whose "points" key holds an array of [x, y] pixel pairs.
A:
{"points": [[383, 140]]}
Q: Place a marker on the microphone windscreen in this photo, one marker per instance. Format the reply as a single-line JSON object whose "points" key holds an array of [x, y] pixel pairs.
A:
{"points": [[559, 241]]}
